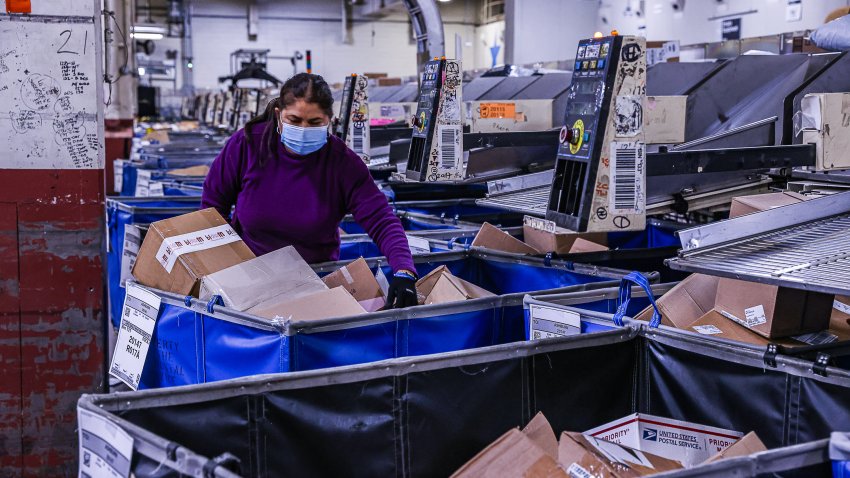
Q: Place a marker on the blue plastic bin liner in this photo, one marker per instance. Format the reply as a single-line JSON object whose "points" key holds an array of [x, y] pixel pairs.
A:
{"points": [[839, 454], [125, 211], [232, 349], [834, 36], [176, 351], [349, 251], [655, 235]]}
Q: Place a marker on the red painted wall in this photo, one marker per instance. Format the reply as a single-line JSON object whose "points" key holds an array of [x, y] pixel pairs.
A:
{"points": [[51, 314]]}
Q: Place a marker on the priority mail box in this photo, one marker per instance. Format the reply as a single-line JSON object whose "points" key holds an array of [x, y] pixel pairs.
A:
{"points": [[685, 442], [279, 274], [664, 119], [179, 251], [746, 446], [587, 457]]}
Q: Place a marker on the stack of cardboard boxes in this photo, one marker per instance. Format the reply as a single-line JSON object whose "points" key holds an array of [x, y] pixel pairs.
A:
{"points": [[752, 312], [199, 254], [637, 445], [541, 236]]}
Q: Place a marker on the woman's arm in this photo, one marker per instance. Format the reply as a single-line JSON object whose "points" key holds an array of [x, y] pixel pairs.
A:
{"points": [[372, 211], [224, 181]]}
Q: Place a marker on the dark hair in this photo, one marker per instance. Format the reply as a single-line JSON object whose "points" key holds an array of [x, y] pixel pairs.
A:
{"points": [[303, 86]]}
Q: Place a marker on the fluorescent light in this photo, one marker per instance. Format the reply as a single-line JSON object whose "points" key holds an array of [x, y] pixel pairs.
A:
{"points": [[146, 36], [149, 29], [444, 1], [141, 71]]}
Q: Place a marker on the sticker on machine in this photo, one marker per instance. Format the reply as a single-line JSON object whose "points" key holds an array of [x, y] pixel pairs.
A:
{"points": [[628, 116], [450, 151], [549, 322], [627, 169]]}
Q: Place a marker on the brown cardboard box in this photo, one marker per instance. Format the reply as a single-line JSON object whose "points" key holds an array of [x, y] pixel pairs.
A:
{"points": [[336, 302], [745, 446], [449, 288], [200, 170], [840, 318], [179, 251], [279, 275], [358, 280], [773, 311], [689, 300], [528, 453], [494, 238], [426, 284], [160, 136], [578, 454], [716, 325], [564, 242], [762, 202]]}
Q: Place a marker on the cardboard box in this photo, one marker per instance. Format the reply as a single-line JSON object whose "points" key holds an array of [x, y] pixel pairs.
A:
{"points": [[491, 237], [440, 286], [746, 446], [545, 236], [358, 280], [281, 274], [200, 170], [586, 456], [664, 119], [331, 303], [713, 323], [160, 136], [685, 442], [689, 300], [529, 453], [773, 311], [179, 251], [840, 318], [762, 202]]}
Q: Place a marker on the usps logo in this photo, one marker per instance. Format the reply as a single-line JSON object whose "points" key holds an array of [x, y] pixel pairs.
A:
{"points": [[650, 434]]}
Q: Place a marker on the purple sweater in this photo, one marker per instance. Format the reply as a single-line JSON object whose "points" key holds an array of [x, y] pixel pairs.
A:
{"points": [[301, 200]]}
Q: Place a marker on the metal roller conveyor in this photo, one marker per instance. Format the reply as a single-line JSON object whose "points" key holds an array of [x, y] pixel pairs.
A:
{"points": [[801, 246]]}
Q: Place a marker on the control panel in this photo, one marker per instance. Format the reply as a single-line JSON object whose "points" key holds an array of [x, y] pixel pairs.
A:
{"points": [[600, 176], [352, 125], [436, 148]]}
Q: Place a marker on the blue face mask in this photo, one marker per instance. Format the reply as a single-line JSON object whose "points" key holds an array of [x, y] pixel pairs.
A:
{"points": [[303, 141]]}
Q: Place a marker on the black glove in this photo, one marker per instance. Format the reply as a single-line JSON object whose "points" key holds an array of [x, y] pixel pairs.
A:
{"points": [[402, 291]]}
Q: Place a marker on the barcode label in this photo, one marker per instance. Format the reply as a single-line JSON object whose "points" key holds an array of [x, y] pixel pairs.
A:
{"points": [[627, 160], [357, 139], [449, 146]]}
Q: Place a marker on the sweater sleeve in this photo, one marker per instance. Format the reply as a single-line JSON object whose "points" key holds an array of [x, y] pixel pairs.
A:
{"points": [[373, 212], [224, 181]]}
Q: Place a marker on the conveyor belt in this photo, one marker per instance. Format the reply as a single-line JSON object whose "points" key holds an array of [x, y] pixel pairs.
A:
{"points": [[803, 246]]}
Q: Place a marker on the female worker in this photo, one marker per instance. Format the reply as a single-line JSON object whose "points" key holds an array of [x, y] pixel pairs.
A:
{"points": [[292, 184]]}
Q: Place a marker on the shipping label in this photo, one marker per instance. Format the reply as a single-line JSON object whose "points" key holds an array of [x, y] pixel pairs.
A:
{"points": [[105, 449], [175, 246], [138, 318], [547, 322], [132, 242]]}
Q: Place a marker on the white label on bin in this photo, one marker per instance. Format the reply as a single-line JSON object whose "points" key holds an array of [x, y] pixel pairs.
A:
{"points": [[138, 318], [707, 329], [105, 449], [841, 307], [118, 175], [577, 471], [383, 283], [175, 246], [155, 189], [539, 224], [418, 245], [817, 338], [548, 322], [132, 242], [143, 180]]}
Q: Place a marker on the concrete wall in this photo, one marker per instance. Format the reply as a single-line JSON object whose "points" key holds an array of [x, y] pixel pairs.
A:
{"points": [[692, 25]]}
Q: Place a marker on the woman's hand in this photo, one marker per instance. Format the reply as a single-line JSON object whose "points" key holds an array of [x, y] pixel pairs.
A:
{"points": [[402, 291]]}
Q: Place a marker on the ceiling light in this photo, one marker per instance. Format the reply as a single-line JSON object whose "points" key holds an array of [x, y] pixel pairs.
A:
{"points": [[141, 71], [146, 36]]}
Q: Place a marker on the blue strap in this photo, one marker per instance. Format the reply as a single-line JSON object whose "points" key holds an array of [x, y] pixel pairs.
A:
{"points": [[451, 243], [188, 300], [626, 294], [214, 301], [547, 259]]}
